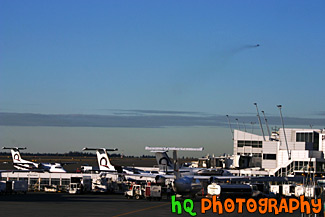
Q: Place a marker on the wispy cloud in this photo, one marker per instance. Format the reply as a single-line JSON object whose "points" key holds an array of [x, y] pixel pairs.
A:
{"points": [[275, 120], [137, 121], [153, 112], [320, 113], [143, 119]]}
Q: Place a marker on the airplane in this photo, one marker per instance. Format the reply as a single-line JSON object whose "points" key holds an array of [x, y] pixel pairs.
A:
{"points": [[26, 165], [166, 166], [185, 184], [182, 183], [106, 166]]}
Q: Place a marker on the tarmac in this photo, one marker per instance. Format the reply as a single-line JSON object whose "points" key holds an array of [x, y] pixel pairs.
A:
{"points": [[63, 204]]}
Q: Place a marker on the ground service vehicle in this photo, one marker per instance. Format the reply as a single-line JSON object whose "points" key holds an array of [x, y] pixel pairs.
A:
{"points": [[75, 188], [134, 192], [153, 192], [79, 185], [51, 188]]}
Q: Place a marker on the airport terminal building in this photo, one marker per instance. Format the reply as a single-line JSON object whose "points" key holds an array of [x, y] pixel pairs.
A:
{"points": [[286, 152]]}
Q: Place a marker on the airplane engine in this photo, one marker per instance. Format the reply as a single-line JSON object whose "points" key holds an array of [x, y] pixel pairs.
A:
{"points": [[187, 185]]}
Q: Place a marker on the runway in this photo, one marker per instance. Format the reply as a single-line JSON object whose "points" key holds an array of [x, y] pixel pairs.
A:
{"points": [[63, 204]]}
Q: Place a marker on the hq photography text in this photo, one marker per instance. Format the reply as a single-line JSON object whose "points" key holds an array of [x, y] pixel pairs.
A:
{"points": [[262, 206]]}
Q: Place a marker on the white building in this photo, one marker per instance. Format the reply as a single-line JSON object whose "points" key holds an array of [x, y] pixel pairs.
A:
{"points": [[303, 151]]}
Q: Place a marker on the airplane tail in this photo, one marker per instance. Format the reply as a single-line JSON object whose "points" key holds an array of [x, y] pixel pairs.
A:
{"points": [[16, 157], [164, 161], [176, 165], [102, 158], [20, 163]]}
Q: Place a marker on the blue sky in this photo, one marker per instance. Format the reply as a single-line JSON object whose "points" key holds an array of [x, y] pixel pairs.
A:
{"points": [[186, 58]]}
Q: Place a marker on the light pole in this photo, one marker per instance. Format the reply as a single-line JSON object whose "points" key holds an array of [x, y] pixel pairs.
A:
{"points": [[230, 127], [237, 124], [252, 123], [284, 132], [259, 121], [267, 126]]}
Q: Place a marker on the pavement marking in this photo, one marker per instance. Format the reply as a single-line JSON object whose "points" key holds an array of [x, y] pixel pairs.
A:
{"points": [[140, 210]]}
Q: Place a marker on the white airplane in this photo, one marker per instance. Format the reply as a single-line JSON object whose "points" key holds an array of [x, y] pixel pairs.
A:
{"points": [[185, 185], [26, 165], [106, 166], [166, 166]]}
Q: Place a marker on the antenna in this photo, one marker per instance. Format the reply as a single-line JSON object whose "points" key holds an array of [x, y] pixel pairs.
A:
{"points": [[284, 132], [232, 134], [259, 120], [267, 126]]}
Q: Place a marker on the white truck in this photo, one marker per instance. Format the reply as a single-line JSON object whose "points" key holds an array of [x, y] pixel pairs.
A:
{"points": [[230, 190], [99, 185], [275, 189], [75, 188], [153, 192], [149, 192], [299, 190], [214, 189], [51, 188], [288, 190], [79, 185], [135, 191], [312, 191]]}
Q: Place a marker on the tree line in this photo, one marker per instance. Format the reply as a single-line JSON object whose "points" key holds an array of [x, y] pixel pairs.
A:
{"points": [[77, 154]]}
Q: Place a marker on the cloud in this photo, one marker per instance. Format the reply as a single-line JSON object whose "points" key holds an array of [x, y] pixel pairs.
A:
{"points": [[321, 113], [136, 121], [275, 120], [157, 112], [145, 119]]}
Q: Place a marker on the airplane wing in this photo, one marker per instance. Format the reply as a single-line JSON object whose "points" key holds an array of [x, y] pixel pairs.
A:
{"points": [[105, 171], [95, 149], [249, 178], [149, 175], [15, 148]]}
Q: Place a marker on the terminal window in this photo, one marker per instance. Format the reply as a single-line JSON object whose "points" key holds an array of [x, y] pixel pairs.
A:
{"points": [[308, 137], [254, 144], [269, 156], [304, 137]]}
